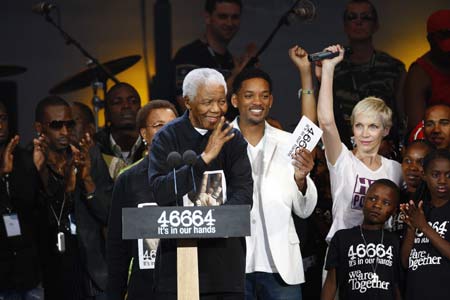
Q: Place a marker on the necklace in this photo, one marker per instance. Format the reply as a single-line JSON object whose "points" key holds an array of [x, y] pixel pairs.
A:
{"points": [[374, 268], [60, 239]]}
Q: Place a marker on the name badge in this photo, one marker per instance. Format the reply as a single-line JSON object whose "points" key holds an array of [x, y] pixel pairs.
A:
{"points": [[12, 225]]}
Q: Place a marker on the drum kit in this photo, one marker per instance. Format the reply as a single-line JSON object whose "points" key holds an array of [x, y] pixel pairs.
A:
{"points": [[93, 76]]}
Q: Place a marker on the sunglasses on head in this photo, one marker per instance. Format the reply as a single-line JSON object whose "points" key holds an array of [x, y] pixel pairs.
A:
{"points": [[362, 16], [57, 125]]}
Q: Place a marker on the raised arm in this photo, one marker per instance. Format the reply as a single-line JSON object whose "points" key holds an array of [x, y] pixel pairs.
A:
{"points": [[299, 57], [325, 114]]}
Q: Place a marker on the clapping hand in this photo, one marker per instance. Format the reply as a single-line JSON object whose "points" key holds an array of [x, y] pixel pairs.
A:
{"points": [[413, 215]]}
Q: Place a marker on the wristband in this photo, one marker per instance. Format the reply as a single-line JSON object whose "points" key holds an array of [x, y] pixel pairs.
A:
{"points": [[304, 92]]}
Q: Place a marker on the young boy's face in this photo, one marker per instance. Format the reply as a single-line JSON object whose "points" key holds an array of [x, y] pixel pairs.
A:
{"points": [[381, 202]]}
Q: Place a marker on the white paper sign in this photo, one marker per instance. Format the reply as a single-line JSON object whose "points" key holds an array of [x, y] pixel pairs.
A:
{"points": [[147, 248], [12, 225], [306, 135]]}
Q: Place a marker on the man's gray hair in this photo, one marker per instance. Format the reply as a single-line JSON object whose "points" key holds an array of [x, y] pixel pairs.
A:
{"points": [[195, 78]]}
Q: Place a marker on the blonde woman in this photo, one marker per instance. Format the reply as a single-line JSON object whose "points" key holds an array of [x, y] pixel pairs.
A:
{"points": [[352, 171]]}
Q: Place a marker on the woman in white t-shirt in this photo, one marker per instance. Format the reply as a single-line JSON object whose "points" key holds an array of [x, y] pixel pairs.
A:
{"points": [[352, 171]]}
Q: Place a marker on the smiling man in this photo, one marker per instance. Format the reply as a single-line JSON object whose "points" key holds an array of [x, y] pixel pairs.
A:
{"points": [[282, 186], [218, 146], [222, 20]]}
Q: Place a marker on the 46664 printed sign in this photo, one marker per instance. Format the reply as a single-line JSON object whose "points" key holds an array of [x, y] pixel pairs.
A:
{"points": [[173, 222], [186, 222]]}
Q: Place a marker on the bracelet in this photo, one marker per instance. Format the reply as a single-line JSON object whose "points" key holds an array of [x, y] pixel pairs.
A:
{"points": [[304, 92]]}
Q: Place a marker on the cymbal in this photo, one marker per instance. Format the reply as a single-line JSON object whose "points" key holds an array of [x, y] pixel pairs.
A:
{"points": [[6, 70], [86, 77]]}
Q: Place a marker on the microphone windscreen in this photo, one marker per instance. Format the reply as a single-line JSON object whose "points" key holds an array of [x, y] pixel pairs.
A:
{"points": [[174, 159], [189, 157]]}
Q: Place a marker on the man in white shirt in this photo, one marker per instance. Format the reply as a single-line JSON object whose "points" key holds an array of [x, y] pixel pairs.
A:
{"points": [[274, 268]]}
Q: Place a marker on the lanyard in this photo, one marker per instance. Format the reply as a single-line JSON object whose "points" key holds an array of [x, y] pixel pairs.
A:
{"points": [[58, 220], [8, 204]]}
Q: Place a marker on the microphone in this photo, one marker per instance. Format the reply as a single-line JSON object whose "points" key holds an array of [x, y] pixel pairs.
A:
{"points": [[189, 158], [305, 11], [174, 160], [325, 55], [42, 8]]}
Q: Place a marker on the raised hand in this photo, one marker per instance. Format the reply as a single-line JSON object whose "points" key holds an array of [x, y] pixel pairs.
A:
{"points": [[332, 62], [6, 163], [86, 144], [40, 151], [217, 139], [303, 163], [414, 215], [299, 57]]}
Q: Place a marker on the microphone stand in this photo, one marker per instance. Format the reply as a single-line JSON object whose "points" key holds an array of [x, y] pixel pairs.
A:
{"points": [[96, 101], [283, 21]]}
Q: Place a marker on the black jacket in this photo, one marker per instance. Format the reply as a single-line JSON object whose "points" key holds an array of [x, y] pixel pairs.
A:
{"points": [[19, 260], [130, 189], [221, 261]]}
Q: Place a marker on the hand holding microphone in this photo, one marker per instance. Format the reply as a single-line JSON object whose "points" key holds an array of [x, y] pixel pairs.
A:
{"points": [[328, 53]]}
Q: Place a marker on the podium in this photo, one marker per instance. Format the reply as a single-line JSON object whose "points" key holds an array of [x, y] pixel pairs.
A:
{"points": [[186, 224]]}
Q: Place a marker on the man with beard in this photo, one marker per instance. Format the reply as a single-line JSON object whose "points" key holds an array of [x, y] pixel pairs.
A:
{"points": [[74, 264], [119, 140], [437, 125], [19, 260], [202, 129], [222, 20]]}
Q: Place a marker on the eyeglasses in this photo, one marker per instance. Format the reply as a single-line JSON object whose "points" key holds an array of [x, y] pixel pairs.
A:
{"points": [[58, 125], [155, 125], [362, 16]]}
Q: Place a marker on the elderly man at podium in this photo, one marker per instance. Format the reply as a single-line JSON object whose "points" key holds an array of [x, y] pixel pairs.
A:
{"points": [[202, 128]]}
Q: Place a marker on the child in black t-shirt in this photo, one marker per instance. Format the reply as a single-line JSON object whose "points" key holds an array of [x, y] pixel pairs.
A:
{"points": [[412, 170], [362, 261], [426, 245]]}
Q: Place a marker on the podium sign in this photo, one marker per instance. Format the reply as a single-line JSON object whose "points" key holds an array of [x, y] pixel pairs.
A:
{"points": [[186, 224], [173, 222]]}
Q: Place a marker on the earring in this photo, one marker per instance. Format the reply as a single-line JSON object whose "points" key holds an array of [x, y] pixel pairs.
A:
{"points": [[145, 142]]}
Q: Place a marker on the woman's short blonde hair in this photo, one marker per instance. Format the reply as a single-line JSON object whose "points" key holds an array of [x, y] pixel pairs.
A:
{"points": [[373, 106]]}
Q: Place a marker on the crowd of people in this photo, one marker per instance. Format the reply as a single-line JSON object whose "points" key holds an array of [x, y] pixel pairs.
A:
{"points": [[365, 215]]}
